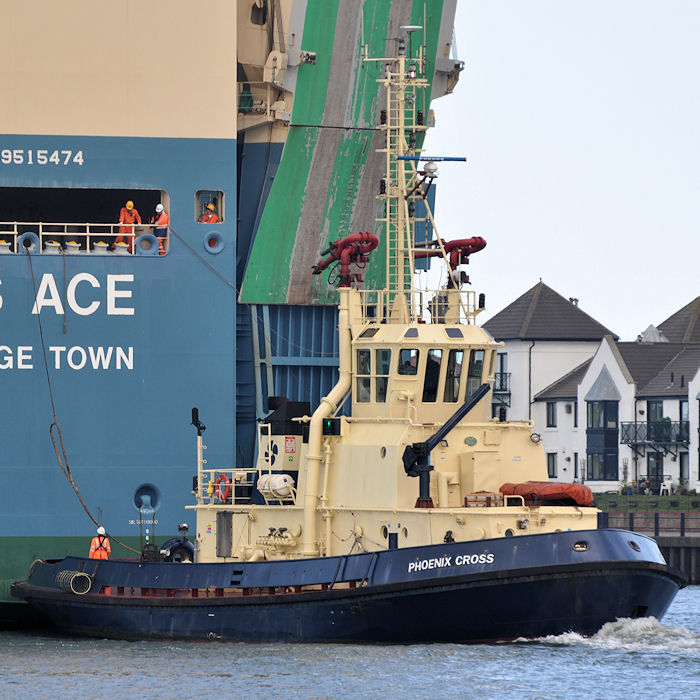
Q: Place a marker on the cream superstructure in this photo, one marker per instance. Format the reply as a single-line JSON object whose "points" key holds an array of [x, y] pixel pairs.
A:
{"points": [[409, 361]]}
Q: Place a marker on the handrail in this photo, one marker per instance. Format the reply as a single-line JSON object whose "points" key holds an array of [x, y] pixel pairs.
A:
{"points": [[655, 432], [87, 235], [443, 306]]}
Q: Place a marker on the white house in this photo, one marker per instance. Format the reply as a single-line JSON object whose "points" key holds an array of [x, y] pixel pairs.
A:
{"points": [[545, 336], [636, 410]]}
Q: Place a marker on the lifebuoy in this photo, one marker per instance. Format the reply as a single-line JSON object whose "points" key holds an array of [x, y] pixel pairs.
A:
{"points": [[223, 496]]}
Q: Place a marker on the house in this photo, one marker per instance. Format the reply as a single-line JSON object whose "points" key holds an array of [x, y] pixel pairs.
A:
{"points": [[636, 410], [544, 337]]}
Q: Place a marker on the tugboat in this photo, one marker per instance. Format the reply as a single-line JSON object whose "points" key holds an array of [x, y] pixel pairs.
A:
{"points": [[399, 510]]}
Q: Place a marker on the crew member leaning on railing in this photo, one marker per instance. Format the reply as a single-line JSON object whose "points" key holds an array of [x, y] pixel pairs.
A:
{"points": [[161, 221]]}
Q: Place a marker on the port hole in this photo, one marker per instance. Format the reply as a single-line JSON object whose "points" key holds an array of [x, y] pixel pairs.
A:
{"points": [[581, 546], [635, 546]]}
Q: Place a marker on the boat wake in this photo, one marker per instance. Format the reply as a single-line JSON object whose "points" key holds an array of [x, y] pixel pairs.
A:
{"points": [[626, 634]]}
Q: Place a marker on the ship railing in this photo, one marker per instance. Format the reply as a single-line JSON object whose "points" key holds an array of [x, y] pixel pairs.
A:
{"points": [[82, 238], [444, 306], [227, 485]]}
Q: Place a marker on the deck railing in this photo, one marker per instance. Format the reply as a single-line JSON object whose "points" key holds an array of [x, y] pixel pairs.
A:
{"points": [[430, 305], [656, 432], [81, 238], [501, 383]]}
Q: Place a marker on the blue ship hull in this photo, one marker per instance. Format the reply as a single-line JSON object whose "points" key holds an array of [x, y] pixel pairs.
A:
{"points": [[500, 589]]}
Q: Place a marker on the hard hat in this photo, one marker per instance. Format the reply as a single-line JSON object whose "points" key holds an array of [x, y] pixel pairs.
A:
{"points": [[159, 207], [100, 530], [210, 206], [129, 205]]}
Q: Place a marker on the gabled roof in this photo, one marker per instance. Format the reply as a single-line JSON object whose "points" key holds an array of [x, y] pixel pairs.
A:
{"points": [[603, 388], [645, 361], [684, 325], [543, 314], [566, 387], [652, 335], [673, 378]]}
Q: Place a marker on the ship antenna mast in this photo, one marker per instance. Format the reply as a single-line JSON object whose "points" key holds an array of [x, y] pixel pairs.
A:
{"points": [[405, 187]]}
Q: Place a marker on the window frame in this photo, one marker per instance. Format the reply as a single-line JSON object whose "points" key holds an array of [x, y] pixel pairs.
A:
{"points": [[363, 379], [381, 384]]}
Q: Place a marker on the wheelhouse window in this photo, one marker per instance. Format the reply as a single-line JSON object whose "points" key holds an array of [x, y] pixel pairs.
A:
{"points": [[408, 361], [382, 360], [453, 375], [363, 375], [551, 414], [475, 373], [209, 207], [432, 375]]}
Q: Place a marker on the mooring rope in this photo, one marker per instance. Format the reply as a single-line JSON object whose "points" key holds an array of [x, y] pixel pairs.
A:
{"points": [[62, 457]]}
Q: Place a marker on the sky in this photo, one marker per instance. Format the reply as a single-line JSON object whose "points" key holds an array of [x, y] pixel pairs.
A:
{"points": [[580, 121]]}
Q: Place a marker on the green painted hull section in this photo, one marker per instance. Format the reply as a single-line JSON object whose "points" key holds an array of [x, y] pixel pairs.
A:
{"points": [[17, 555], [327, 181]]}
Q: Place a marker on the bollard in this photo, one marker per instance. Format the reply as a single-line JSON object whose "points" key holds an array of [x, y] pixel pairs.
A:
{"points": [[656, 524], [682, 524], [631, 527]]}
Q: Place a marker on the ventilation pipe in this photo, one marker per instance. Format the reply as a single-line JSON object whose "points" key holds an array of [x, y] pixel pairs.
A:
{"points": [[326, 408]]}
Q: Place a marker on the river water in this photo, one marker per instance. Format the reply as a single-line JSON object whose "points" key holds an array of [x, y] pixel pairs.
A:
{"points": [[640, 658]]}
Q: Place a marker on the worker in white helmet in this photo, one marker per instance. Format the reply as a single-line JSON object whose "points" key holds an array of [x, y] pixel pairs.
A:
{"points": [[100, 547], [161, 221]]}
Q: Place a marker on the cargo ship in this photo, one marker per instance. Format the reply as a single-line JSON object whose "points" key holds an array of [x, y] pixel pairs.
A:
{"points": [[397, 510], [257, 112]]}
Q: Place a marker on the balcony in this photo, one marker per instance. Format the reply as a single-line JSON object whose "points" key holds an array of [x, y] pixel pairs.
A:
{"points": [[501, 388], [660, 436]]}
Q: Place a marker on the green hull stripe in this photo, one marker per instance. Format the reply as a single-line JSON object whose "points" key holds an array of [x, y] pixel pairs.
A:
{"points": [[276, 236], [282, 236]]}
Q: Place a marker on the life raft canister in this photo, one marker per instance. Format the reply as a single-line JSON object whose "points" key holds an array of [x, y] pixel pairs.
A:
{"points": [[223, 495]]}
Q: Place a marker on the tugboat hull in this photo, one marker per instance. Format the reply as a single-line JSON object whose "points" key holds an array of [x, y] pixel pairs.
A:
{"points": [[436, 605]]}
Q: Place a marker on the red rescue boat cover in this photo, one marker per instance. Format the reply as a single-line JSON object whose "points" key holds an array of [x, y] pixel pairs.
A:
{"points": [[550, 493]]}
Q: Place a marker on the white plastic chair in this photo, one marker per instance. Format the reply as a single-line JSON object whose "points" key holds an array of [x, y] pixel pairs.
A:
{"points": [[665, 486]]}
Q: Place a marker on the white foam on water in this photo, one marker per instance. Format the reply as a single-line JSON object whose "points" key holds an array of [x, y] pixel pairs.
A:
{"points": [[627, 634]]}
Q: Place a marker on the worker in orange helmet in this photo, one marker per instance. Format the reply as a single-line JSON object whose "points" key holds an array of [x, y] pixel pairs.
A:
{"points": [[161, 221], [128, 216], [100, 547], [210, 216]]}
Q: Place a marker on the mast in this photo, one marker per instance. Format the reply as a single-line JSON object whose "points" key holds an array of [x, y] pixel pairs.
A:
{"points": [[403, 122]]}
